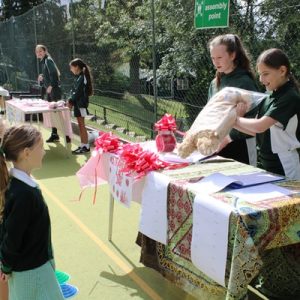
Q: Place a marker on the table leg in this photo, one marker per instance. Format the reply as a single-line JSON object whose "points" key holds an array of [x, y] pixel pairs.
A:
{"points": [[68, 146], [38, 121], [2, 104], [111, 216]]}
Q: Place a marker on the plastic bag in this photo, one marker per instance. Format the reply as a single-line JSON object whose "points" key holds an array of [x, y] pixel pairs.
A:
{"points": [[216, 120]]}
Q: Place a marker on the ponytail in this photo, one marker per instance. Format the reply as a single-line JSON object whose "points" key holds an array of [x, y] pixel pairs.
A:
{"points": [[3, 170], [294, 81], [13, 141], [3, 182], [77, 62]]}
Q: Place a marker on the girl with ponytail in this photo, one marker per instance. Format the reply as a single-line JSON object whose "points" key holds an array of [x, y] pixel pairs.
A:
{"points": [[3, 185], [276, 125], [79, 100], [26, 249], [233, 69]]}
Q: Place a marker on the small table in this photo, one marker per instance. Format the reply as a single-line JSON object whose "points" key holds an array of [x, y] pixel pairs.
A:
{"points": [[3, 93], [16, 110]]}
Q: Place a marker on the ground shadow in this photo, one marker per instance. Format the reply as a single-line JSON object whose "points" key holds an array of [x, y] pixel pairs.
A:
{"points": [[59, 163], [145, 103], [163, 288]]}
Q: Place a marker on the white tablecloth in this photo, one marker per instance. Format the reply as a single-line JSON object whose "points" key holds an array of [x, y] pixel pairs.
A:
{"points": [[59, 117]]}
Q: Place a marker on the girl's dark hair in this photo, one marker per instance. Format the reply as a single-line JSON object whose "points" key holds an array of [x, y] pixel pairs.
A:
{"points": [[15, 139], [77, 62], [233, 45], [275, 58]]}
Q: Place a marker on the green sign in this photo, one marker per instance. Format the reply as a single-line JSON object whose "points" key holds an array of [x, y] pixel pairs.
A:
{"points": [[211, 13]]}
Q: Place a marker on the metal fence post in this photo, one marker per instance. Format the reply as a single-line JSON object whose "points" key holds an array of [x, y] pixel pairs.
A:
{"points": [[35, 40], [154, 60], [73, 30], [104, 115]]}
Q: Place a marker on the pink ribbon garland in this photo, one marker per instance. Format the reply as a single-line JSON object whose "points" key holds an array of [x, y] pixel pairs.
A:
{"points": [[167, 122], [133, 159]]}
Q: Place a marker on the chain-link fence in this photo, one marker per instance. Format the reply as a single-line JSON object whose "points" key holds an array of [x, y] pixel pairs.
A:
{"points": [[124, 41]]}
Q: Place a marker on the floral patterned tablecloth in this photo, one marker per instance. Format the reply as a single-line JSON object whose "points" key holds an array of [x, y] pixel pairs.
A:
{"points": [[255, 228]]}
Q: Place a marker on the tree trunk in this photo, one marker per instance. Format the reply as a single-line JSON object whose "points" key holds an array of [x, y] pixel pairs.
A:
{"points": [[135, 74]]}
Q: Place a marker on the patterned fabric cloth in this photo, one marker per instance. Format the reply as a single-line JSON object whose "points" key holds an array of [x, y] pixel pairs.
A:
{"points": [[254, 229], [36, 284]]}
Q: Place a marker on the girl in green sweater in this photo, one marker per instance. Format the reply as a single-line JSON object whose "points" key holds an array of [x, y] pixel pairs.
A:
{"points": [[276, 127], [49, 78], [233, 69], [26, 250]]}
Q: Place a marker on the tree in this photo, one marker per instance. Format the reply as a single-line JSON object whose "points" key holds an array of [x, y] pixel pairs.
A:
{"points": [[43, 24], [126, 25], [279, 27], [17, 7]]}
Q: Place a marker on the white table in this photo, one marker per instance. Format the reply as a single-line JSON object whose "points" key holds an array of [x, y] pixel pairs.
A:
{"points": [[3, 93], [60, 118]]}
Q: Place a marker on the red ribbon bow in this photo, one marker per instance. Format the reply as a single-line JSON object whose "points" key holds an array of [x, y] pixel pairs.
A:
{"points": [[107, 142], [167, 122], [137, 161]]}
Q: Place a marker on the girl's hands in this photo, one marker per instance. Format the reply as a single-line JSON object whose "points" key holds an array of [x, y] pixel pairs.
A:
{"points": [[40, 78], [224, 143], [69, 103], [4, 277], [49, 89], [241, 109]]}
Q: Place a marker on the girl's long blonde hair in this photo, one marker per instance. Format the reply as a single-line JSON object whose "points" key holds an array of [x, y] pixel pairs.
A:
{"points": [[40, 46]]}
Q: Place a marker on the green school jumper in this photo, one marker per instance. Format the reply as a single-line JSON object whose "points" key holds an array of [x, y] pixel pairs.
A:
{"points": [[243, 147], [51, 78], [26, 250], [79, 94], [280, 276], [278, 145]]}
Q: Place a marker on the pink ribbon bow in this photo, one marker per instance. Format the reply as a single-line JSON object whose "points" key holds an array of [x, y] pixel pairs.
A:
{"points": [[107, 142], [167, 122]]}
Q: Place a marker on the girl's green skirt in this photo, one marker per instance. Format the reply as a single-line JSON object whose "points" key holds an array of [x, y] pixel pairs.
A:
{"points": [[36, 284]]}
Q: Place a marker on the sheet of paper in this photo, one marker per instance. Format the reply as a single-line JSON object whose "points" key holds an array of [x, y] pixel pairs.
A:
{"points": [[256, 178], [153, 222], [260, 192], [174, 157], [210, 236], [211, 184], [120, 185]]}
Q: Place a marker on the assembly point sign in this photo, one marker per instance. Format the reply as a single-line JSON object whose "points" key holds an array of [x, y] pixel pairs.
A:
{"points": [[211, 13]]}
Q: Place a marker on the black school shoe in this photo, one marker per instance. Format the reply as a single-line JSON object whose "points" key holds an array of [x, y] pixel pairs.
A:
{"points": [[53, 138], [68, 139], [81, 150]]}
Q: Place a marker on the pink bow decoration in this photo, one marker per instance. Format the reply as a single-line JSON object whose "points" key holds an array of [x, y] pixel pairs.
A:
{"points": [[137, 161], [107, 142], [167, 122]]}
